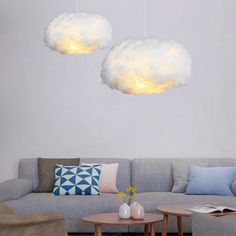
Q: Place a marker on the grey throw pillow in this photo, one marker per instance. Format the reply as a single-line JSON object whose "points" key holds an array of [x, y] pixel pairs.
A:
{"points": [[180, 176], [46, 172]]}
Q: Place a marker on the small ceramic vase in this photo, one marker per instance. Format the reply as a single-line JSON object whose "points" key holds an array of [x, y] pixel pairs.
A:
{"points": [[137, 211], [125, 211]]}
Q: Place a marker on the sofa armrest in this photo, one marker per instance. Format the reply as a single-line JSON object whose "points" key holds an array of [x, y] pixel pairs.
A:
{"points": [[14, 189]]}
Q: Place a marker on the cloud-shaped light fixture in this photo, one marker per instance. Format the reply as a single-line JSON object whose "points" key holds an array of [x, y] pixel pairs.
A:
{"points": [[78, 33], [146, 66]]}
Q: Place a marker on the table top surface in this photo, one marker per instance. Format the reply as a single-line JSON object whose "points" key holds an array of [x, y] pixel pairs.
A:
{"points": [[176, 210], [184, 210], [114, 219]]}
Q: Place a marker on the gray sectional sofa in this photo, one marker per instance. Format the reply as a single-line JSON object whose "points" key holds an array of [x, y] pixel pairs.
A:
{"points": [[152, 177]]}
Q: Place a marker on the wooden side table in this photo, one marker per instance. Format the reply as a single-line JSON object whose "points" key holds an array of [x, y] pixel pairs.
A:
{"points": [[113, 219], [175, 210]]}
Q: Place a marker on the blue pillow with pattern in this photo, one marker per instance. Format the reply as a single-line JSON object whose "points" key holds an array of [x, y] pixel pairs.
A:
{"points": [[77, 180]]}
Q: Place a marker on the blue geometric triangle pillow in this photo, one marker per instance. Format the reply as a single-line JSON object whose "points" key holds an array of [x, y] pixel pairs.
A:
{"points": [[77, 180]]}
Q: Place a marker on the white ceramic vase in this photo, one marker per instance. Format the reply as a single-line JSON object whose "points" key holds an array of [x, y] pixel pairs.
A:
{"points": [[125, 211]]}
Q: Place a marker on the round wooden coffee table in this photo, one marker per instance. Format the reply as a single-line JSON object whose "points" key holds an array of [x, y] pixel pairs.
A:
{"points": [[98, 220], [174, 210]]}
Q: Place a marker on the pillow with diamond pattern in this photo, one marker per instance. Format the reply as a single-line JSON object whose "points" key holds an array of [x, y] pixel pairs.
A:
{"points": [[77, 180]]}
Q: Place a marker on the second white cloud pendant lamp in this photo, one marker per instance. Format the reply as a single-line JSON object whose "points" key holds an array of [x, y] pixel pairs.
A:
{"points": [[146, 66], [78, 33]]}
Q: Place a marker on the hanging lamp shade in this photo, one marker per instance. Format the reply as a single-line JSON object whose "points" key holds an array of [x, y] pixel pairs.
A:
{"points": [[146, 66], [78, 33]]}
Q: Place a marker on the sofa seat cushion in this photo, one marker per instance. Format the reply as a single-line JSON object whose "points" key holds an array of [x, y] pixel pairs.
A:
{"points": [[70, 206], [152, 200]]}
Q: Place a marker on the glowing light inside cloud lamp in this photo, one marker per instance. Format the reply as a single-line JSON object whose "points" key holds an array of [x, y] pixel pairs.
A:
{"points": [[78, 33], [146, 66]]}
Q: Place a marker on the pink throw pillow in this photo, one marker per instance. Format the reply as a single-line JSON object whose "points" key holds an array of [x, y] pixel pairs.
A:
{"points": [[108, 176], [107, 182]]}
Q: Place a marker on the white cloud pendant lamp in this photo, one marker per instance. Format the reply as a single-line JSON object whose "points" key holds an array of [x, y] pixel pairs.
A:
{"points": [[78, 33], [146, 66]]}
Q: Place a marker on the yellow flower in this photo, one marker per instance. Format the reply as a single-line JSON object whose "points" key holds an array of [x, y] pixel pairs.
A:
{"points": [[121, 196], [132, 190], [128, 195]]}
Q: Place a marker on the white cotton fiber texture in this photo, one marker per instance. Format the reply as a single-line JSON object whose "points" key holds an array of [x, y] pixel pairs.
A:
{"points": [[146, 66], [78, 33]]}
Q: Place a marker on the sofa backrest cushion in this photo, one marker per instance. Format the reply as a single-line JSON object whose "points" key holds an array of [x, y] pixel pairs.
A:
{"points": [[28, 169], [155, 174], [152, 175]]}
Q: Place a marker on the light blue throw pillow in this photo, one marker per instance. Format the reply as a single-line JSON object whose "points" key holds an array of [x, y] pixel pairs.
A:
{"points": [[210, 180], [77, 180]]}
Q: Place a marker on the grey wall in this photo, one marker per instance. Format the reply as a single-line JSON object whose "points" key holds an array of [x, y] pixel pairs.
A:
{"points": [[55, 105]]}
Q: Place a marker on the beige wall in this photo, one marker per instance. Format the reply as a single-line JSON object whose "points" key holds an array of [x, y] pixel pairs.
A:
{"points": [[55, 105]]}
